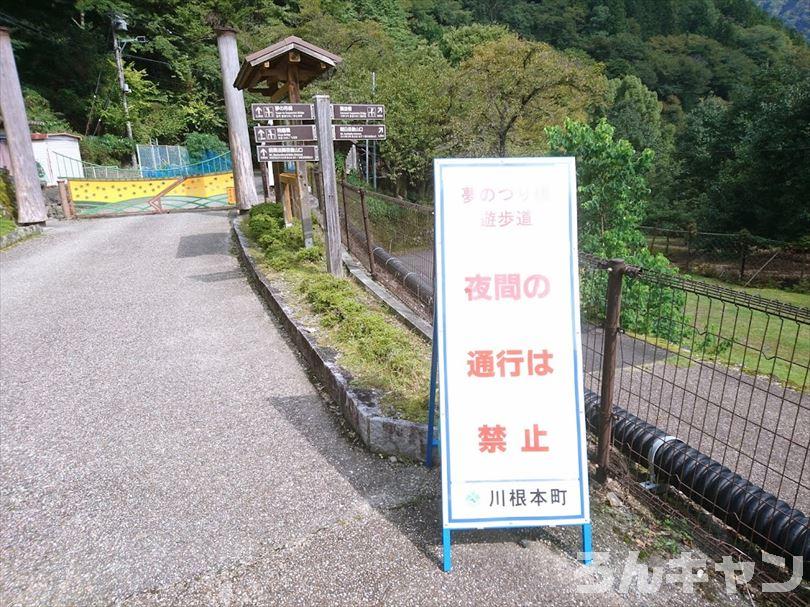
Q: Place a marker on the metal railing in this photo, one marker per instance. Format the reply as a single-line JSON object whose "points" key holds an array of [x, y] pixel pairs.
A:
{"points": [[72, 168]]}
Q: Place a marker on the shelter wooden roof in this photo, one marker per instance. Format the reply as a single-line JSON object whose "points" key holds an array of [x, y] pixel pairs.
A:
{"points": [[270, 66]]}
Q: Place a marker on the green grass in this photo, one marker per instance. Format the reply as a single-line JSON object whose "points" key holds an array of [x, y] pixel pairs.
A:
{"points": [[788, 297], [758, 343], [6, 226], [372, 344]]}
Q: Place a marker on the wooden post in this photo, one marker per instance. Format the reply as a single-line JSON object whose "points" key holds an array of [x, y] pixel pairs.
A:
{"points": [[294, 94], [286, 183], [277, 189], [345, 213], [30, 201], [743, 238], [616, 271], [369, 241], [326, 151], [241, 156], [64, 198], [265, 180]]}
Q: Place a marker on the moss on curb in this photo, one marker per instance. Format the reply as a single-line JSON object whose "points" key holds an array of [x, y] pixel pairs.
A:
{"points": [[6, 226], [371, 342]]}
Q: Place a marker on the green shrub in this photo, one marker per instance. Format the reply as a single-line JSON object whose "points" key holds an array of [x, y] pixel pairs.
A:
{"points": [[267, 208], [380, 353], [198, 144], [313, 254], [106, 149]]}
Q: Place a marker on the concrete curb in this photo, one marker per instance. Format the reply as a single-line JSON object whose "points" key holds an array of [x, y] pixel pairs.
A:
{"points": [[381, 434], [19, 233]]}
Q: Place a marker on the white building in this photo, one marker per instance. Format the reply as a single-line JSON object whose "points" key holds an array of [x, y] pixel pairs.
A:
{"points": [[58, 154]]}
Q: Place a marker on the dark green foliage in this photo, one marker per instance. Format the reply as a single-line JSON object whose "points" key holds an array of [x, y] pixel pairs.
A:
{"points": [[611, 194], [198, 144], [106, 149], [40, 115]]}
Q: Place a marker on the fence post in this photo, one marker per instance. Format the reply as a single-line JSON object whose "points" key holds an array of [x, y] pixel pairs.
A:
{"points": [[743, 236], [369, 244], [691, 232], [616, 270]]}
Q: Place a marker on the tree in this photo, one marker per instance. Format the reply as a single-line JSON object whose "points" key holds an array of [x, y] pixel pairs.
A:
{"points": [[510, 89], [635, 112], [764, 184], [40, 115], [612, 188], [611, 195], [411, 83], [458, 43]]}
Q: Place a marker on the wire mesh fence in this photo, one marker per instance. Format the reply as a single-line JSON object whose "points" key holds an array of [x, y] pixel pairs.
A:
{"points": [[393, 239], [709, 397], [741, 258]]}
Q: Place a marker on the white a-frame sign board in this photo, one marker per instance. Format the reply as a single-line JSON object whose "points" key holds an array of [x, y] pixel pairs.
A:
{"points": [[507, 346]]}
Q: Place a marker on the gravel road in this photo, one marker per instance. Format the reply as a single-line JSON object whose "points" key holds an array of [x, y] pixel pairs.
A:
{"points": [[161, 444]]}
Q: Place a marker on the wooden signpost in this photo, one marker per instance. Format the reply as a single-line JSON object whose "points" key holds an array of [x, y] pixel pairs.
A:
{"points": [[279, 143]]}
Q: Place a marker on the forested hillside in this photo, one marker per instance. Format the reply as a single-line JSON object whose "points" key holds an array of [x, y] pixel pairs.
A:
{"points": [[718, 89], [796, 13]]}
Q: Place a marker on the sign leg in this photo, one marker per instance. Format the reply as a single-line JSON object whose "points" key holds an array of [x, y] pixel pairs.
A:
{"points": [[587, 544], [446, 556]]}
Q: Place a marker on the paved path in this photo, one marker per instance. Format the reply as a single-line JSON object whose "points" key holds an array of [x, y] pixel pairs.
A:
{"points": [[161, 444]]}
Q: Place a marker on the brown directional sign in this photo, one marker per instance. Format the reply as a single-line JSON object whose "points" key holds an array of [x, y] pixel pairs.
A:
{"points": [[351, 132], [297, 132], [282, 111], [276, 153], [363, 111]]}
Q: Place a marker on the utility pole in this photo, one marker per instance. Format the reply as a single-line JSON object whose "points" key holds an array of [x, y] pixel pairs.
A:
{"points": [[119, 25], [238, 138], [30, 201]]}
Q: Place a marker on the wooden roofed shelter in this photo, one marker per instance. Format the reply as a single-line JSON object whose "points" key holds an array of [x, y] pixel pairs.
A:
{"points": [[279, 72]]}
